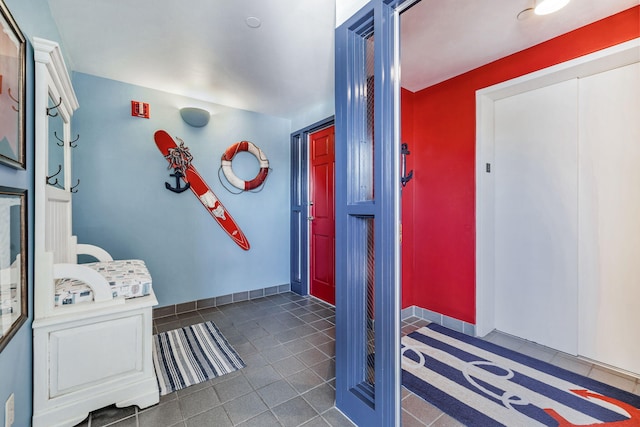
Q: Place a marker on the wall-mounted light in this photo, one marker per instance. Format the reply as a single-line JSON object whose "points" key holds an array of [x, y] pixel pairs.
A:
{"points": [[545, 7], [196, 117]]}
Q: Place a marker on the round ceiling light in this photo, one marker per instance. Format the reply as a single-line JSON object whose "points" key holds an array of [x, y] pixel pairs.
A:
{"points": [[253, 22], [545, 7], [525, 14]]}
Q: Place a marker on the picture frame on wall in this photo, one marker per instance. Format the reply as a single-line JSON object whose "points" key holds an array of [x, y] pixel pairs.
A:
{"points": [[13, 262], [12, 91]]}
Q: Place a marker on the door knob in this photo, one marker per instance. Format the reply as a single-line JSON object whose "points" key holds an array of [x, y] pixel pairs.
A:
{"points": [[311, 218]]}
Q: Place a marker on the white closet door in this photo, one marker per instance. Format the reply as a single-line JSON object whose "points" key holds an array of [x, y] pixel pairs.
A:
{"points": [[536, 215], [609, 236]]}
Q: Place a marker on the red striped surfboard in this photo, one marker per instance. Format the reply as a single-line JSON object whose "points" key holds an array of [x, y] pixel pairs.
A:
{"points": [[209, 200]]}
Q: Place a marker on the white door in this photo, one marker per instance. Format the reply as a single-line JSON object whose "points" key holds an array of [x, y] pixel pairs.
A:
{"points": [[536, 212], [609, 231]]}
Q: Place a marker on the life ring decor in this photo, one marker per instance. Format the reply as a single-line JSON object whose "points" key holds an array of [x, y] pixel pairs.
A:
{"points": [[228, 156]]}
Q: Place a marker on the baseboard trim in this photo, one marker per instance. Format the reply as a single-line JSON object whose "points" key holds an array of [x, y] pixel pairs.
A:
{"points": [[440, 319], [172, 310]]}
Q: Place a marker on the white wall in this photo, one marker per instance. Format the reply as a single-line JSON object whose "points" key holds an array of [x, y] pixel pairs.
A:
{"points": [[346, 8]]}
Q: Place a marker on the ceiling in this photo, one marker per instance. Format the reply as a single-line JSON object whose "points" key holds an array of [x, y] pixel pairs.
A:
{"points": [[205, 50], [444, 38]]}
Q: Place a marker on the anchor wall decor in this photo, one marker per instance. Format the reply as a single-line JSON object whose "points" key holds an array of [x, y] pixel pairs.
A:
{"points": [[179, 159], [178, 188]]}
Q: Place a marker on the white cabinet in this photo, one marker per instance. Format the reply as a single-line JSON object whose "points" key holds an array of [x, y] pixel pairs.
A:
{"points": [[536, 212], [609, 222], [90, 355], [558, 235]]}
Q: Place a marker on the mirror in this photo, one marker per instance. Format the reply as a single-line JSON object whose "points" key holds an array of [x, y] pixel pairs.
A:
{"points": [[13, 251], [12, 91], [55, 172]]}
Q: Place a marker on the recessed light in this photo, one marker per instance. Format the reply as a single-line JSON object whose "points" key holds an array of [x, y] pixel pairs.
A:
{"points": [[542, 7], [546, 7], [525, 14], [253, 22]]}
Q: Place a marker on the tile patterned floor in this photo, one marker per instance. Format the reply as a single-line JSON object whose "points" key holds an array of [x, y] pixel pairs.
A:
{"points": [[288, 344]]}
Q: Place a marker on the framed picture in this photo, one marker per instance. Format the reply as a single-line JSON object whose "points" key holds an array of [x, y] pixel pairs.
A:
{"points": [[13, 262], [12, 91]]}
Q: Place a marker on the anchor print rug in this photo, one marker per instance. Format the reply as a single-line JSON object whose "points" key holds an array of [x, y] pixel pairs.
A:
{"points": [[481, 384]]}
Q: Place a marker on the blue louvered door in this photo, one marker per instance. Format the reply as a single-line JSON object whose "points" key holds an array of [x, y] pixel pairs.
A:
{"points": [[367, 218]]}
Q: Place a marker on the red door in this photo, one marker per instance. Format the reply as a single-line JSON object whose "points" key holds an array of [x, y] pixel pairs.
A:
{"points": [[323, 216]]}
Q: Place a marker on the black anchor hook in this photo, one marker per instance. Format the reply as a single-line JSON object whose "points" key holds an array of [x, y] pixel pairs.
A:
{"points": [[177, 189]]}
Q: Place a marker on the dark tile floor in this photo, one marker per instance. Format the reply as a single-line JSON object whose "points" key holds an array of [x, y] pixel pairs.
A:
{"points": [[288, 345]]}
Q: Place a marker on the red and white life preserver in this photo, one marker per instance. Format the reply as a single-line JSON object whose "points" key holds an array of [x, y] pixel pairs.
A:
{"points": [[228, 156]]}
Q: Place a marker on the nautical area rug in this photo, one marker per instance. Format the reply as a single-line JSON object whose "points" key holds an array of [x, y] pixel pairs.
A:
{"points": [[191, 355], [482, 384]]}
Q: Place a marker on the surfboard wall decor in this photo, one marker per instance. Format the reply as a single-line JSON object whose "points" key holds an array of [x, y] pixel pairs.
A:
{"points": [[180, 160]]}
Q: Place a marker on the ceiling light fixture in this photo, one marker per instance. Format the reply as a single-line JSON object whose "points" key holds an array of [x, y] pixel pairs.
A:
{"points": [[542, 7], [545, 7], [253, 22], [196, 117]]}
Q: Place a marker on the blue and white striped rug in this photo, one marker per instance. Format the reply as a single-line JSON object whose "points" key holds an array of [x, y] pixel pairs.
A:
{"points": [[191, 355], [482, 384]]}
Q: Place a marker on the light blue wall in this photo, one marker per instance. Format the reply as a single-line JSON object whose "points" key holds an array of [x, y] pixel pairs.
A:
{"points": [[313, 114], [16, 358], [34, 19], [122, 204]]}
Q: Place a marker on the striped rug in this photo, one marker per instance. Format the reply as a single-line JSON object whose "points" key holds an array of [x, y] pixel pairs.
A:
{"points": [[481, 384], [191, 355]]}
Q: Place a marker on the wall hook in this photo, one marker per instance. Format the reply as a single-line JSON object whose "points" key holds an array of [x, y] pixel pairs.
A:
{"points": [[71, 143], [53, 108], [55, 133], [73, 189], [53, 176], [404, 150], [14, 100], [177, 189]]}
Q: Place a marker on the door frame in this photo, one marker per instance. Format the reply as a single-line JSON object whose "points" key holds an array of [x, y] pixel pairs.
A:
{"points": [[300, 229], [603, 60]]}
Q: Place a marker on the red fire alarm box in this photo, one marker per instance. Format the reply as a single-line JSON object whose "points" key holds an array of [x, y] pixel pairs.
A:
{"points": [[140, 109]]}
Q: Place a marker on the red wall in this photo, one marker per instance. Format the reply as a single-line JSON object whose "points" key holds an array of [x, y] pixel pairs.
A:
{"points": [[439, 203], [408, 234]]}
